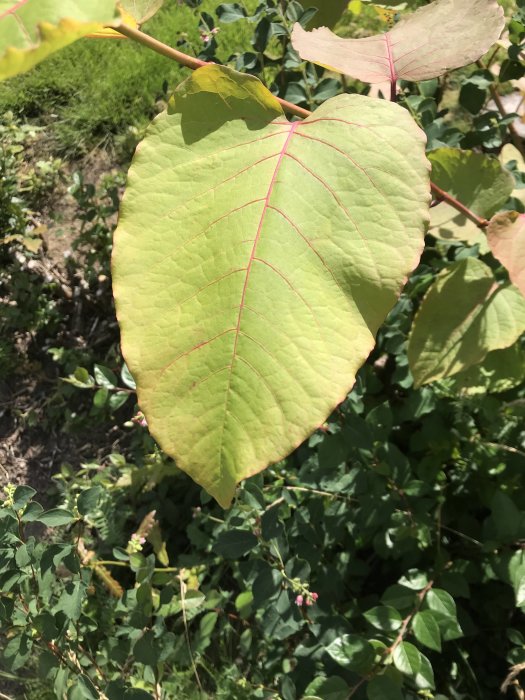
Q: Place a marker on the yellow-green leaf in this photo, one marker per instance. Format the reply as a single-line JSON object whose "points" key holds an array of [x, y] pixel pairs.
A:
{"points": [[501, 370], [476, 180], [30, 30], [254, 262], [464, 315]]}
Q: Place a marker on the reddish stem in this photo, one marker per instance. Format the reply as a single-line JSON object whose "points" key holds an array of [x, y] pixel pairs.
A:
{"points": [[393, 91], [191, 62], [443, 196]]}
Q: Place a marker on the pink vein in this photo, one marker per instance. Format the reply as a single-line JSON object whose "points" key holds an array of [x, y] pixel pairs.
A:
{"points": [[193, 349], [210, 375], [248, 270], [393, 76], [312, 248], [210, 284], [356, 165], [330, 191], [343, 208], [265, 349], [220, 184], [294, 290], [184, 166], [13, 9], [205, 231]]}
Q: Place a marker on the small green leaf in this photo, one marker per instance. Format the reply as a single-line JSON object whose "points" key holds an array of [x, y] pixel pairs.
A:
{"points": [[328, 11], [127, 378], [193, 600], [235, 543], [352, 652], [118, 399], [230, 12], [23, 556], [104, 377], [81, 378], [100, 398], [384, 617], [332, 688], [56, 517], [441, 602], [407, 658], [426, 630], [17, 651], [398, 596], [425, 676], [88, 500], [145, 649], [243, 604], [31, 512], [22, 495], [85, 689], [70, 602], [383, 688]]}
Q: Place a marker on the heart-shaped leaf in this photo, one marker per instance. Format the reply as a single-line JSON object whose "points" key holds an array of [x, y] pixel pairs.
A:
{"points": [[464, 315], [30, 30], [478, 181], [253, 265], [506, 239], [438, 37]]}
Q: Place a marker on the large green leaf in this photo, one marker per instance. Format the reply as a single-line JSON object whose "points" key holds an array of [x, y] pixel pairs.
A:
{"points": [[30, 30], [478, 181], [464, 315], [438, 37], [253, 265], [506, 239]]}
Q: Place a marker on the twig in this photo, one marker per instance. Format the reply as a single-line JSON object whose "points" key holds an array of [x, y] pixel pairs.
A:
{"points": [[194, 63], [187, 634], [408, 619], [516, 138], [509, 680], [191, 62], [505, 448], [449, 199], [397, 641]]}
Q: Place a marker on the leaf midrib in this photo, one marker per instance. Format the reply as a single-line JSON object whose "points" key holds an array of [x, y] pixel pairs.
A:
{"points": [[253, 252]]}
